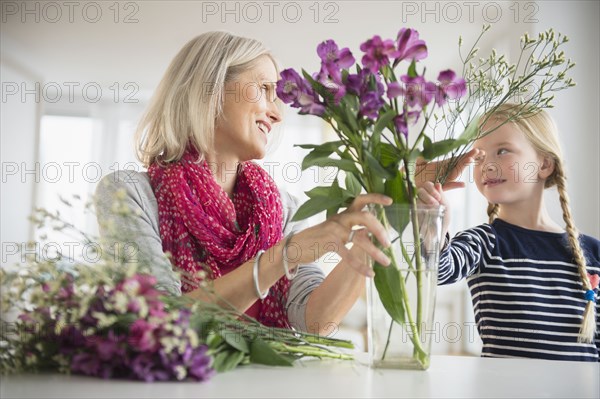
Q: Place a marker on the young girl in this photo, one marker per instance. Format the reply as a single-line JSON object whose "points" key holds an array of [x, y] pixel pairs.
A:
{"points": [[533, 284]]}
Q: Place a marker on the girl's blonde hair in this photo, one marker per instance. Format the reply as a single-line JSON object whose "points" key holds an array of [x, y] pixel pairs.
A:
{"points": [[189, 98], [542, 133]]}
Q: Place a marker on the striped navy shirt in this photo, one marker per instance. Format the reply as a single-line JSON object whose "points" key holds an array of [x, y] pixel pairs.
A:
{"points": [[527, 294]]}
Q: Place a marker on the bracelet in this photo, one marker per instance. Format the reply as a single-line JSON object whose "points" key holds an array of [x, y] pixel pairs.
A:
{"points": [[288, 274], [255, 274]]}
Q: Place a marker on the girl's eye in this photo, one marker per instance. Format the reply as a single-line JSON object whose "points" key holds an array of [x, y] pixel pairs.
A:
{"points": [[502, 151]]}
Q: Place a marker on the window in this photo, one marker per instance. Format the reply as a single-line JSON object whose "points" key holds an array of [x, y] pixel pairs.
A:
{"points": [[66, 170]]}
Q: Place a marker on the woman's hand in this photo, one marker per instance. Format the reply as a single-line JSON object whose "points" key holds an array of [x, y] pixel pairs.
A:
{"points": [[333, 234], [426, 171]]}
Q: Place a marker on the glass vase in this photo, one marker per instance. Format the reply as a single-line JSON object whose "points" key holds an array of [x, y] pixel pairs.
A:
{"points": [[401, 296]]}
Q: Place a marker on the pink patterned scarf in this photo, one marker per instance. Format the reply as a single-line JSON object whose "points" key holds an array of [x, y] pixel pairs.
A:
{"points": [[204, 229]]}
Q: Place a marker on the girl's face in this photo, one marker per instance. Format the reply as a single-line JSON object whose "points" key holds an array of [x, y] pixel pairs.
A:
{"points": [[510, 170], [249, 113]]}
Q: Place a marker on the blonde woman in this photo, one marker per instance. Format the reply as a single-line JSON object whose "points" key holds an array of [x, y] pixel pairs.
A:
{"points": [[533, 283], [219, 215]]}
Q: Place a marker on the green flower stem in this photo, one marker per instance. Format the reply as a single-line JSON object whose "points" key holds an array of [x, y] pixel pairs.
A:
{"points": [[309, 351], [420, 353], [417, 242], [389, 338], [326, 341], [419, 259]]}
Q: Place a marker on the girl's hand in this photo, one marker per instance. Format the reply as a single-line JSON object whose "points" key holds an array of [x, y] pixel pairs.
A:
{"points": [[333, 234], [431, 194], [426, 172]]}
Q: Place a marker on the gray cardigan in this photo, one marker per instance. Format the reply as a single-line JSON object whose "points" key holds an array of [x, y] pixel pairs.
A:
{"points": [[136, 193]]}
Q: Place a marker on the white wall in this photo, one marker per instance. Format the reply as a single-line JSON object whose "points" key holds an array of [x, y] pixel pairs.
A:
{"points": [[106, 52], [577, 110], [19, 123]]}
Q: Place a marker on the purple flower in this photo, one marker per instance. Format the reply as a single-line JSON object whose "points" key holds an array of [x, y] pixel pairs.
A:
{"points": [[199, 363], [289, 86], [370, 104], [110, 347], [97, 305], [377, 53], [401, 121], [333, 59], [417, 93], [359, 83], [69, 339], [409, 46], [333, 86], [85, 363], [370, 91], [293, 89], [310, 104], [394, 89], [145, 366], [195, 360], [450, 87], [142, 336]]}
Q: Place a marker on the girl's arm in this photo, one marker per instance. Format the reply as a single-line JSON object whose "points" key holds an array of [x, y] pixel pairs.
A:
{"points": [[462, 255]]}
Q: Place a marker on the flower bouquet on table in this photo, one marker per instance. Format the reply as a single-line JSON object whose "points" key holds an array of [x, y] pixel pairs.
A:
{"points": [[390, 120], [108, 320]]}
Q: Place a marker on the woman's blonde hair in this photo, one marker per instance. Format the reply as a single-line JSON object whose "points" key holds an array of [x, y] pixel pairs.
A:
{"points": [[542, 133], [189, 98]]}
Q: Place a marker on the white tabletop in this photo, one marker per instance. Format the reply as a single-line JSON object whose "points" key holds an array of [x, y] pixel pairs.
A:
{"points": [[464, 377]]}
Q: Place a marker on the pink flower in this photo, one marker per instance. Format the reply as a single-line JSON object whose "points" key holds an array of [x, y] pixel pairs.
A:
{"points": [[142, 337], [139, 284]]}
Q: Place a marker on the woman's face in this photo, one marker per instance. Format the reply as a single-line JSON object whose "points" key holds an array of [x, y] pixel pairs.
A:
{"points": [[249, 113]]}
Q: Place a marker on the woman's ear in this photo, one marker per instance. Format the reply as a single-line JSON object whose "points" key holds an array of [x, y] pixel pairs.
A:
{"points": [[546, 167]]}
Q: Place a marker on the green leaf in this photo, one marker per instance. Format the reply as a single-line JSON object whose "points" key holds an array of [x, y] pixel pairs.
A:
{"points": [[236, 340], [350, 113], [335, 192], [352, 184], [396, 189], [227, 360], [470, 133], [330, 146], [314, 206], [320, 191], [387, 282], [397, 218], [412, 69], [213, 339], [332, 211], [320, 151], [376, 166], [442, 147], [383, 122], [387, 72], [319, 87], [324, 161], [390, 155], [262, 353]]}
